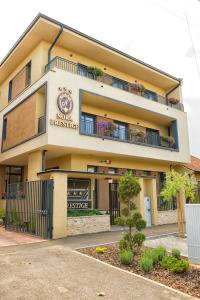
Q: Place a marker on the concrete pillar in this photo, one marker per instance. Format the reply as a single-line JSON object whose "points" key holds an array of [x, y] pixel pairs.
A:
{"points": [[152, 190], [34, 165], [59, 205]]}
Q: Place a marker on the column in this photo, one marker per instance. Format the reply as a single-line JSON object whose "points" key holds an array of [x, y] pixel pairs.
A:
{"points": [[34, 165], [59, 205]]}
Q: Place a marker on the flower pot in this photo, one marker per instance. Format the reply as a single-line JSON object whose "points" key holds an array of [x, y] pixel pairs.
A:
{"points": [[165, 143], [174, 100]]}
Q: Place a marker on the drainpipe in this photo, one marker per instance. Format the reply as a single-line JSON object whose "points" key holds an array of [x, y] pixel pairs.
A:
{"points": [[44, 160], [173, 89], [54, 42]]}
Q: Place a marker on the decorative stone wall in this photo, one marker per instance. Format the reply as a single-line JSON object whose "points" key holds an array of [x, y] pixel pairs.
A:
{"points": [[87, 224], [167, 217]]}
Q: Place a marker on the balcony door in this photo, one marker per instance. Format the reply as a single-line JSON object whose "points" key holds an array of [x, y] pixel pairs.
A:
{"points": [[120, 131], [87, 124], [153, 137]]}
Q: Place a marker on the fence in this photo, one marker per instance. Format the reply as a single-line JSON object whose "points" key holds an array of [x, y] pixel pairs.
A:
{"points": [[29, 207]]}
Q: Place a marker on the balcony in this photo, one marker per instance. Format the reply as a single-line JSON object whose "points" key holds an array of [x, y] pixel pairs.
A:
{"points": [[122, 132], [82, 70]]}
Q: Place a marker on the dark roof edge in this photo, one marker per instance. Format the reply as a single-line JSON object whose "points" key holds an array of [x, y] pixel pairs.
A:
{"points": [[40, 15]]}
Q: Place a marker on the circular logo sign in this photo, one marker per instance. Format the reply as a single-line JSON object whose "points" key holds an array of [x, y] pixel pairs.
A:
{"points": [[65, 103]]}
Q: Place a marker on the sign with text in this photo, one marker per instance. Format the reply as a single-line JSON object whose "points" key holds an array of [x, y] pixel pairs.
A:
{"points": [[77, 204]]}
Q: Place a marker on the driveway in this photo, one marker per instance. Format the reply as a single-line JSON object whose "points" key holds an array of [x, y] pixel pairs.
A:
{"points": [[54, 272]]}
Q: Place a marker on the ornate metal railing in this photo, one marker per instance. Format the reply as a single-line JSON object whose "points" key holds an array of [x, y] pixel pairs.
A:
{"points": [[69, 66]]}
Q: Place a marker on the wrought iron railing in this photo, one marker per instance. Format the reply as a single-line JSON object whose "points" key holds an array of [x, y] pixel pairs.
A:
{"points": [[164, 205], [69, 66], [123, 134]]}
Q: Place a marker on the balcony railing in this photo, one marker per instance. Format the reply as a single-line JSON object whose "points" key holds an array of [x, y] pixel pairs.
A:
{"points": [[69, 66], [123, 134]]}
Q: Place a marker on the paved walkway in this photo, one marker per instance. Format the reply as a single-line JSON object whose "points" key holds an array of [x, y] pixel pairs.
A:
{"points": [[169, 243], [10, 238], [56, 272]]}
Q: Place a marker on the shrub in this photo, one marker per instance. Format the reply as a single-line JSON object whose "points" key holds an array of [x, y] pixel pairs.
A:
{"points": [[151, 254], [138, 238], [101, 250], [146, 263], [140, 224], [174, 265], [160, 252], [126, 257], [176, 253], [2, 213], [123, 245], [83, 212]]}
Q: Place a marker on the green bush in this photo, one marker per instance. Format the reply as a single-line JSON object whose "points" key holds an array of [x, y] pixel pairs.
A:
{"points": [[174, 265], [2, 213], [84, 212], [123, 245], [138, 238], [176, 253], [126, 257], [160, 252], [146, 263], [140, 224], [151, 254], [101, 250]]}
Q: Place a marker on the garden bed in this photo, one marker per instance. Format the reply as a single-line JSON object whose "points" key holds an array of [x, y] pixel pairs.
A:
{"points": [[188, 282]]}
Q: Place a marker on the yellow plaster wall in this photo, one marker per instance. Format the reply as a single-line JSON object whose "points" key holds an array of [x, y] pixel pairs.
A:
{"points": [[34, 165], [63, 162], [127, 119], [38, 58], [77, 58]]}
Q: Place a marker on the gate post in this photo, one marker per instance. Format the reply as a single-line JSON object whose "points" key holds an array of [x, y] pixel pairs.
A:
{"points": [[59, 205]]}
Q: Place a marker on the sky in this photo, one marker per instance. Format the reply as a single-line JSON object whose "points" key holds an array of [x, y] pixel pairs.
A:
{"points": [[154, 31]]}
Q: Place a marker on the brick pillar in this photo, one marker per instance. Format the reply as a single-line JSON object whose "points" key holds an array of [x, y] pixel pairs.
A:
{"points": [[59, 205]]}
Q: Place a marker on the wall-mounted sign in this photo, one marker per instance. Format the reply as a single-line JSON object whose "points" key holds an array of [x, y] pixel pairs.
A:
{"points": [[65, 106], [77, 204]]}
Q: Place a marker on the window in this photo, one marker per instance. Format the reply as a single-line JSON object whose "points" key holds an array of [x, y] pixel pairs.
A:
{"points": [[28, 73], [14, 174], [120, 84], [120, 130], [10, 91], [153, 137], [150, 95], [4, 129], [92, 169], [82, 70], [112, 170], [87, 124]]}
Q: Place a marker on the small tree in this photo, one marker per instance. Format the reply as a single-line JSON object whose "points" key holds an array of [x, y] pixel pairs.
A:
{"points": [[129, 188], [178, 185]]}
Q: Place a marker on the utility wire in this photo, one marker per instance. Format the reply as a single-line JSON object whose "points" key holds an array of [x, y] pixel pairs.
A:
{"points": [[191, 38]]}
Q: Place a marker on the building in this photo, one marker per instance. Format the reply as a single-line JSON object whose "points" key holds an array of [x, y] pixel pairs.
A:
{"points": [[80, 112]]}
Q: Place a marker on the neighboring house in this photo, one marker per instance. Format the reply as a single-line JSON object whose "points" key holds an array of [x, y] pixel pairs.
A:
{"points": [[193, 168], [59, 118]]}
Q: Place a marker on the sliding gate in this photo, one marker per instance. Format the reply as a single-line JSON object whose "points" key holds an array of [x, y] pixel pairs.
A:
{"points": [[29, 207]]}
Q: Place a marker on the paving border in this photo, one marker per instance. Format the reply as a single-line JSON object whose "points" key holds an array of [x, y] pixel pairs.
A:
{"points": [[138, 276]]}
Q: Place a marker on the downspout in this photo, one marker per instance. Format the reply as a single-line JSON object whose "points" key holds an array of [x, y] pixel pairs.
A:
{"points": [[54, 42], [44, 160], [174, 88]]}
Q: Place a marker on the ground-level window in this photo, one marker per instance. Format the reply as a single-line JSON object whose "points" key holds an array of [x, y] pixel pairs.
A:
{"points": [[13, 175]]}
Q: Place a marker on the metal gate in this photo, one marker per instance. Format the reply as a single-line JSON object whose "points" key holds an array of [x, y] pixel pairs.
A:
{"points": [[29, 207], [114, 204]]}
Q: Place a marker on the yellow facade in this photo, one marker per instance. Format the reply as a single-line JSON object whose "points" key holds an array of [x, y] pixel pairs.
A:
{"points": [[67, 147]]}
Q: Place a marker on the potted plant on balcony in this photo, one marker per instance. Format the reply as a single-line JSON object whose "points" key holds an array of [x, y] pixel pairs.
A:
{"points": [[137, 135], [167, 141], [94, 71], [137, 88], [105, 128], [173, 100]]}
